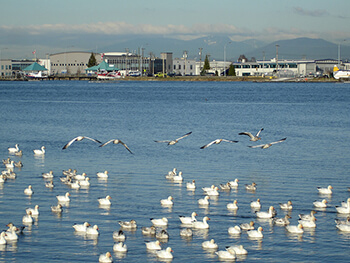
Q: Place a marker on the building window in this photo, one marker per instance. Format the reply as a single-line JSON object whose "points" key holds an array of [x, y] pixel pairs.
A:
{"points": [[179, 66]]}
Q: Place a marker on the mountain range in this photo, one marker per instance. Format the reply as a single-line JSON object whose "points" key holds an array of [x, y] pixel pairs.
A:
{"points": [[298, 49]]}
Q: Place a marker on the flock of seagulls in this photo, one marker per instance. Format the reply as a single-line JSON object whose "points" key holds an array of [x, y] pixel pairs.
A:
{"points": [[158, 225]]}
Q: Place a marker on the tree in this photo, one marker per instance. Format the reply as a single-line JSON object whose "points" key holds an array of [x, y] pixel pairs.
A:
{"points": [[92, 61], [231, 71], [206, 65]]}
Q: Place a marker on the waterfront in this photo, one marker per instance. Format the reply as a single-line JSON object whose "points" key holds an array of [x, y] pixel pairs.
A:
{"points": [[313, 116]]}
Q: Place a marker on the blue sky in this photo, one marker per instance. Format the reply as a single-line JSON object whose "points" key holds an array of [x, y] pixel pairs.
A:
{"points": [[25, 24]]}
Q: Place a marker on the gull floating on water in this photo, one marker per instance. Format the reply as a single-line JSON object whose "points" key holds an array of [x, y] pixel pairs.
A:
{"points": [[116, 141], [13, 150], [77, 139], [40, 152], [81, 227], [295, 229], [325, 191], [120, 247], [267, 145], [217, 141], [105, 200], [153, 245], [105, 258], [201, 224], [210, 244], [34, 211], [165, 254], [320, 204], [286, 206], [256, 233], [253, 138], [159, 222], [284, 221], [29, 191], [167, 202], [247, 226], [268, 214], [188, 220], [119, 235], [172, 142]]}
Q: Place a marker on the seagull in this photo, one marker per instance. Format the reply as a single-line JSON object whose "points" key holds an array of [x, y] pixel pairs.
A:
{"points": [[172, 142], [116, 141], [217, 141], [252, 137], [267, 145], [13, 150], [79, 138]]}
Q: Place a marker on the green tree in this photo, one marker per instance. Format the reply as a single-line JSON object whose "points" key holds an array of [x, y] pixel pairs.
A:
{"points": [[231, 71], [206, 65], [92, 61]]}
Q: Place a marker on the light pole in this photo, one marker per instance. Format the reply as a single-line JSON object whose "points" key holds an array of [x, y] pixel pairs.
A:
{"points": [[225, 57], [277, 59]]}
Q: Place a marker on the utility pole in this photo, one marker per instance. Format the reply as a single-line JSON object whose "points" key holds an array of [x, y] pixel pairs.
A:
{"points": [[200, 59], [277, 59]]}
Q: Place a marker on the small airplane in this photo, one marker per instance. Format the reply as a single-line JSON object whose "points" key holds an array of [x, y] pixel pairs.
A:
{"points": [[340, 74]]}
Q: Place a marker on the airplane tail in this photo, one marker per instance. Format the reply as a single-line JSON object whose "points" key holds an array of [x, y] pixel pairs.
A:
{"points": [[335, 68]]}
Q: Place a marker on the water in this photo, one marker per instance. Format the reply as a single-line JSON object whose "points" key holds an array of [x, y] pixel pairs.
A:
{"points": [[314, 117]]}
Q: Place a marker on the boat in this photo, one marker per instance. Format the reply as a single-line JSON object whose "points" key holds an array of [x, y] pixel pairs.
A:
{"points": [[109, 75], [340, 74]]}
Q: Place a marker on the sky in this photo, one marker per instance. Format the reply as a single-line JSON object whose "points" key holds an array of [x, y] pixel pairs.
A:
{"points": [[49, 26]]}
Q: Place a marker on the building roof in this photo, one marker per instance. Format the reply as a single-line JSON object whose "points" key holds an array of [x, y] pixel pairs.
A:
{"points": [[102, 66], [35, 67]]}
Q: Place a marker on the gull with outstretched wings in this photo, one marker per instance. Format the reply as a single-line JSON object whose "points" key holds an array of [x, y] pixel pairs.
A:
{"points": [[78, 139], [253, 138], [116, 141], [172, 142], [267, 145], [217, 141]]}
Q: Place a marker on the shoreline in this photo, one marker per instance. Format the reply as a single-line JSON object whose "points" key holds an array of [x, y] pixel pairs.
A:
{"points": [[185, 78]]}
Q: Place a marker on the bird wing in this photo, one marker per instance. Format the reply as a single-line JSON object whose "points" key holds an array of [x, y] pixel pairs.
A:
{"points": [[106, 143], [69, 143], [184, 136], [126, 147], [247, 133], [91, 139], [164, 141], [257, 146], [282, 140], [207, 145], [259, 132], [229, 141]]}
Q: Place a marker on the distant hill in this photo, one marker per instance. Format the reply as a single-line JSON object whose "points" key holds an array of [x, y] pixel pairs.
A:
{"points": [[299, 48]]}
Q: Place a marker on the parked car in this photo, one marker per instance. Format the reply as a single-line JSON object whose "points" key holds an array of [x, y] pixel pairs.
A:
{"points": [[134, 73]]}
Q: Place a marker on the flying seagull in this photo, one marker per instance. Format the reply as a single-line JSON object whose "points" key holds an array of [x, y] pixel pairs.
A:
{"points": [[217, 141], [172, 142], [79, 138], [252, 137], [267, 145], [116, 141]]}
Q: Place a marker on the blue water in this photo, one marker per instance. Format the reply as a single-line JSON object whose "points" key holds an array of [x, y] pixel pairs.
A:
{"points": [[315, 118]]}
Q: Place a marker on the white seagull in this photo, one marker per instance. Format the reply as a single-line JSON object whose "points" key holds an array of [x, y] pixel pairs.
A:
{"points": [[172, 142], [267, 145], [13, 150], [105, 258], [253, 138], [325, 191], [217, 141], [116, 141], [79, 138], [40, 152]]}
